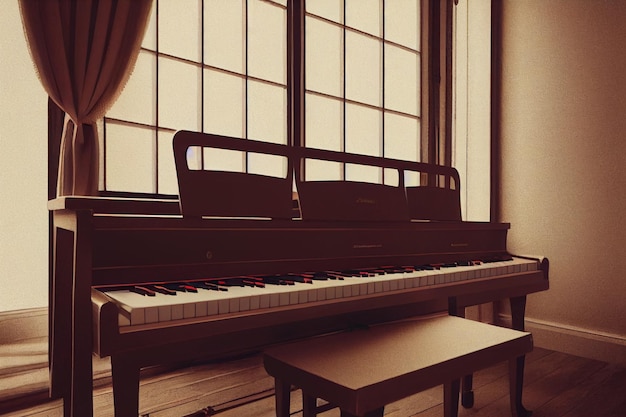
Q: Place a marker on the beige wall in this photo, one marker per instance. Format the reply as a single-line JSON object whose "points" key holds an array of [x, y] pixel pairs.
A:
{"points": [[563, 160], [23, 171]]}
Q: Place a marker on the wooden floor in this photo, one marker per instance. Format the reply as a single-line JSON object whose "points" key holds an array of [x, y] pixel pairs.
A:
{"points": [[556, 385]]}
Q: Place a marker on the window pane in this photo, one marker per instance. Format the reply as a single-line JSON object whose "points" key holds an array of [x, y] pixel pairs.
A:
{"points": [[269, 165], [224, 34], [363, 173], [224, 160], [324, 57], [401, 80], [179, 28], [318, 170], [137, 103], [364, 15], [402, 137], [363, 69], [129, 158], [329, 9], [324, 127], [391, 177], [179, 95], [224, 104], [166, 168], [402, 22], [267, 41], [412, 179], [363, 130], [267, 112], [193, 157]]}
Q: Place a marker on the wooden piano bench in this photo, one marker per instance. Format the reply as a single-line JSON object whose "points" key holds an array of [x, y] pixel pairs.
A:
{"points": [[363, 370]]}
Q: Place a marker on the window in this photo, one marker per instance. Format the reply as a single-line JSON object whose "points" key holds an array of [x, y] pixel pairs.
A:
{"points": [[221, 66], [214, 66], [344, 75], [362, 83]]}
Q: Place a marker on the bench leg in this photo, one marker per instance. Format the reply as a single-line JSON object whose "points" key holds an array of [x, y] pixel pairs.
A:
{"points": [[516, 379], [451, 398], [309, 405], [282, 392], [467, 397], [467, 393]]}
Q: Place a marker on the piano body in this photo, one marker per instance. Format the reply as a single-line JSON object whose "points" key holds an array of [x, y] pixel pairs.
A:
{"points": [[256, 267]]}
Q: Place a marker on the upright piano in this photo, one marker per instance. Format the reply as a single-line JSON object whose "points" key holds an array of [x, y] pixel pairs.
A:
{"points": [[236, 263]]}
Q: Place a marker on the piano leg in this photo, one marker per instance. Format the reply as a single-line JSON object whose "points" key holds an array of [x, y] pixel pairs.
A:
{"points": [[60, 318], [516, 366], [125, 375], [71, 373]]}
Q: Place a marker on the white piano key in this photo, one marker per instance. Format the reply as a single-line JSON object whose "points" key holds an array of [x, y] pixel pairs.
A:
{"points": [[151, 315], [330, 293], [293, 296], [177, 312]]}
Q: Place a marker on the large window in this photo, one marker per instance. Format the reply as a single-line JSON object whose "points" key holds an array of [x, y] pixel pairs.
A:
{"points": [[223, 66], [371, 77]]}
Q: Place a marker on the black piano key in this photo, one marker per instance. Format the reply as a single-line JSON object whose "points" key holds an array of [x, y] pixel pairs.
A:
{"points": [[142, 291], [319, 276], [161, 289], [424, 268], [257, 284], [213, 286], [232, 282], [189, 288], [301, 278], [175, 286], [200, 285], [340, 275], [273, 280]]}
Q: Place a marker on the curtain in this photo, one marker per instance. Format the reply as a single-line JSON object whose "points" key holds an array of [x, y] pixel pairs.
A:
{"points": [[84, 52]]}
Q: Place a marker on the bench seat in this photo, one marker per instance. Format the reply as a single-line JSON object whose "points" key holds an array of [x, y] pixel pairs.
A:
{"points": [[361, 371]]}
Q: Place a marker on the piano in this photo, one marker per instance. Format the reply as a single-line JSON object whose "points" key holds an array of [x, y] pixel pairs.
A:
{"points": [[151, 281]]}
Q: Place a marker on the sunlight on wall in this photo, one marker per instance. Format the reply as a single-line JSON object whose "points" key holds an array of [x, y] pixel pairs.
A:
{"points": [[23, 171]]}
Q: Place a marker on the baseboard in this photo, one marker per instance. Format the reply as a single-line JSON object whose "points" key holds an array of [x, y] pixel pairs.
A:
{"points": [[19, 325], [590, 344]]}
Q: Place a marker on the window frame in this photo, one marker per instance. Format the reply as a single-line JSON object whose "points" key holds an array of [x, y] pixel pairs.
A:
{"points": [[434, 113]]}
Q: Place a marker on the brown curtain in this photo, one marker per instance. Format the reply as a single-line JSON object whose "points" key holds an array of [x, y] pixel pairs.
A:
{"points": [[84, 52]]}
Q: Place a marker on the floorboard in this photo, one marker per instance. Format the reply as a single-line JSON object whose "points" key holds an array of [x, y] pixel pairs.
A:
{"points": [[555, 385]]}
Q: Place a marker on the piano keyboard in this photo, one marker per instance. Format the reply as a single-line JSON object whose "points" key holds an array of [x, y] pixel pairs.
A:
{"points": [[144, 305]]}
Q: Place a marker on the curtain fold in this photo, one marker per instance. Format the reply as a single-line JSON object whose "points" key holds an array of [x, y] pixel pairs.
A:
{"points": [[84, 52]]}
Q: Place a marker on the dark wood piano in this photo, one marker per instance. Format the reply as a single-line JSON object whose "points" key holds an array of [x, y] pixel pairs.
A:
{"points": [[249, 268]]}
